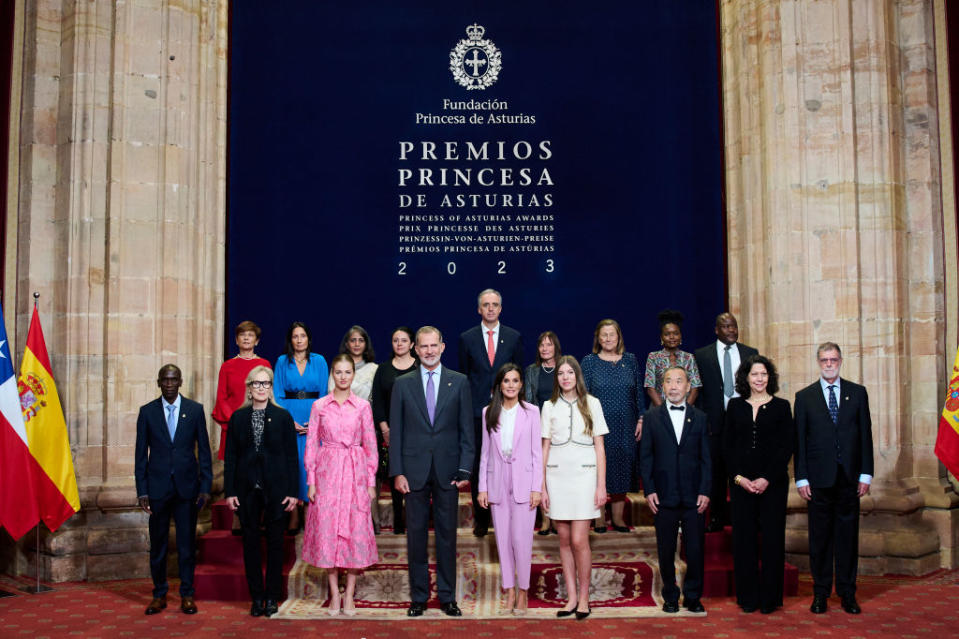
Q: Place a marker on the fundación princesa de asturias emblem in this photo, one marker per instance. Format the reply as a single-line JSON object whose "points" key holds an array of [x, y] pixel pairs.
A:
{"points": [[475, 61]]}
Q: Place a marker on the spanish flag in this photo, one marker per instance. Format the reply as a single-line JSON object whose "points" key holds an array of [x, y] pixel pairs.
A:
{"points": [[947, 441], [47, 431]]}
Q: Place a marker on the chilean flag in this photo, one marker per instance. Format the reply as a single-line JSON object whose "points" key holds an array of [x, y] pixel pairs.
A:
{"points": [[19, 509]]}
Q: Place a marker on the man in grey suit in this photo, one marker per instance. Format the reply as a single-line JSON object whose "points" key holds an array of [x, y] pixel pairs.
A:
{"points": [[431, 454]]}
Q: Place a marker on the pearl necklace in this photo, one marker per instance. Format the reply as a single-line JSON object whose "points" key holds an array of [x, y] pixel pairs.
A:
{"points": [[548, 370]]}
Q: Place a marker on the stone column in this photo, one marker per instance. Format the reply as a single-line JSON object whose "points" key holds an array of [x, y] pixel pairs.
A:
{"points": [[835, 233], [121, 230]]}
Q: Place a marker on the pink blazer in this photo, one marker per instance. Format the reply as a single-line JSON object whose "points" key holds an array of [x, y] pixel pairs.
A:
{"points": [[527, 459]]}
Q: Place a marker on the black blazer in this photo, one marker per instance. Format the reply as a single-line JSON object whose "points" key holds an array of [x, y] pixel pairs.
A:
{"points": [[474, 361], [677, 473], [281, 471], [415, 444], [816, 435], [165, 468], [710, 398], [761, 448]]}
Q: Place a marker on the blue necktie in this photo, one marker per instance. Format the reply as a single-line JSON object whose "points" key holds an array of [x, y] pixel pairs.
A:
{"points": [[430, 396], [834, 415], [171, 421]]}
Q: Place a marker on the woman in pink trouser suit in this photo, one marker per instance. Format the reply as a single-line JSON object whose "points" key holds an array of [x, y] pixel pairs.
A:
{"points": [[511, 478]]}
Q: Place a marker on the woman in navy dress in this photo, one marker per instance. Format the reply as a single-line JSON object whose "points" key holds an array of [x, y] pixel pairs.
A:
{"points": [[613, 376], [299, 380]]}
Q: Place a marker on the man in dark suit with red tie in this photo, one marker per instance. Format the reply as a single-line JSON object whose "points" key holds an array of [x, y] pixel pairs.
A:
{"points": [[718, 362], [173, 469], [834, 469], [483, 350], [674, 463]]}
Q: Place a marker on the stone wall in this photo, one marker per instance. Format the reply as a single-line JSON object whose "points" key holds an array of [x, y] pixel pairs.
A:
{"points": [[122, 146], [835, 233]]}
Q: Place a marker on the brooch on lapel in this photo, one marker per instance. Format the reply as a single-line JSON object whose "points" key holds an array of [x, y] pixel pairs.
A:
{"points": [[449, 383], [845, 399], [689, 420], [183, 415]]}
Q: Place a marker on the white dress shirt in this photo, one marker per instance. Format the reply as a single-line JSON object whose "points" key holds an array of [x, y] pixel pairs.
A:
{"points": [[734, 360], [507, 426], [486, 331], [677, 417]]}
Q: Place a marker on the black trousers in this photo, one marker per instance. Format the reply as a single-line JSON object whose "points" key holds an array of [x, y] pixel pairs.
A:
{"points": [[834, 536], [445, 505], [183, 512], [253, 510], [718, 507], [399, 519], [667, 524], [759, 535], [481, 516]]}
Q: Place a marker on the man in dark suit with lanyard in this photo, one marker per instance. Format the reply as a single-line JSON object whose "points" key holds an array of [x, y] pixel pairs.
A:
{"points": [[172, 481], [834, 469], [483, 350], [718, 362], [431, 453], [674, 463]]}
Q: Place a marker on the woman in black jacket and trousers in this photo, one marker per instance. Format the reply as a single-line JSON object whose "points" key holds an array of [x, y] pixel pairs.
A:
{"points": [[757, 442], [261, 475]]}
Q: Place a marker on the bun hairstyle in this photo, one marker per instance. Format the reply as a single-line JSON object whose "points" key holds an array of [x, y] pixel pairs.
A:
{"points": [[669, 316]]}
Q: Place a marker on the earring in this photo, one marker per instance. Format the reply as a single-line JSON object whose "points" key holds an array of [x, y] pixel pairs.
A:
{"points": [[249, 395]]}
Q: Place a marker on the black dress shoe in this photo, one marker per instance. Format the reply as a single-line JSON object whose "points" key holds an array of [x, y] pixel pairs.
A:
{"points": [[818, 606], [582, 615], [565, 613], [399, 531], [450, 609], [256, 610], [694, 605], [480, 531], [621, 528], [270, 608], [599, 529], [416, 609], [156, 605], [748, 609], [850, 605], [543, 532], [768, 610], [188, 605], [671, 606]]}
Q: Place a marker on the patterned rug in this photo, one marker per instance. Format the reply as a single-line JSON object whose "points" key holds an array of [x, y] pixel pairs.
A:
{"points": [[624, 581]]}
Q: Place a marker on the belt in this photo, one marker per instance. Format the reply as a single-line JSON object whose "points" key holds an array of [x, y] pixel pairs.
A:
{"points": [[302, 395], [339, 445]]}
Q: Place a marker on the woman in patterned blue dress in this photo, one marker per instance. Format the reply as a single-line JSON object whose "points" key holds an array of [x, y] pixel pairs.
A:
{"points": [[612, 376], [299, 380]]}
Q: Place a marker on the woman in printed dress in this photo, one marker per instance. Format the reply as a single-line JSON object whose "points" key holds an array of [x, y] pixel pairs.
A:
{"points": [[341, 460], [671, 338]]}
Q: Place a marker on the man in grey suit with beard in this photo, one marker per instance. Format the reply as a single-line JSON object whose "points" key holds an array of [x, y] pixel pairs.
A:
{"points": [[431, 454]]}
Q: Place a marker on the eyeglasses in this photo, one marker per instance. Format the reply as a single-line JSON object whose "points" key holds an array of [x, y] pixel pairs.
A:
{"points": [[261, 384], [829, 360]]}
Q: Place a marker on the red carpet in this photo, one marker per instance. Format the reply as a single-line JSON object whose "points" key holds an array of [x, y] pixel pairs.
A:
{"points": [[903, 607]]}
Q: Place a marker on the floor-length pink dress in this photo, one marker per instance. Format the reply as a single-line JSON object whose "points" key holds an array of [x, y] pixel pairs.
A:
{"points": [[339, 529]]}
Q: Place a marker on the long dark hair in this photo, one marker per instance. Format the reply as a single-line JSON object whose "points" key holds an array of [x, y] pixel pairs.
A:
{"points": [[742, 375], [368, 355], [581, 392], [290, 353], [496, 401], [409, 333]]}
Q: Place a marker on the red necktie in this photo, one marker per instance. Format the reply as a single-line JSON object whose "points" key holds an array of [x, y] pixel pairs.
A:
{"points": [[490, 348]]}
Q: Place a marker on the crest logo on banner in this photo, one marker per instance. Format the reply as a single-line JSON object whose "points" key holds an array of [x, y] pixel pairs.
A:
{"points": [[475, 61]]}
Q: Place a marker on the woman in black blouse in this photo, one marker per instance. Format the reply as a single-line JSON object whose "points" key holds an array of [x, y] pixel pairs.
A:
{"points": [[758, 442], [403, 361], [538, 385]]}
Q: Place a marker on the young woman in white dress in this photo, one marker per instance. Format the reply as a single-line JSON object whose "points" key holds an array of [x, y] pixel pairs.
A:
{"points": [[575, 467]]}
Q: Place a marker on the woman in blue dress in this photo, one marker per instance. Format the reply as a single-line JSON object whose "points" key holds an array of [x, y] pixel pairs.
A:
{"points": [[300, 379], [613, 377]]}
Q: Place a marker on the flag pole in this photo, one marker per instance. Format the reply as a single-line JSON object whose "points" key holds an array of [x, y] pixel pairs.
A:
{"points": [[39, 587]]}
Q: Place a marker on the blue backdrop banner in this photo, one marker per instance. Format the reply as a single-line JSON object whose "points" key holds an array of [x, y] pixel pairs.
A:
{"points": [[389, 160]]}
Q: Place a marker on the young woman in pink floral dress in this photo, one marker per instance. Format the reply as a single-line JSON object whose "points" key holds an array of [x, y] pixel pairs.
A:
{"points": [[341, 460]]}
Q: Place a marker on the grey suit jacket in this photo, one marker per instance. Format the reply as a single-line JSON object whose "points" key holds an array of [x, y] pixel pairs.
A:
{"points": [[447, 443]]}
